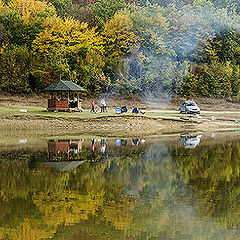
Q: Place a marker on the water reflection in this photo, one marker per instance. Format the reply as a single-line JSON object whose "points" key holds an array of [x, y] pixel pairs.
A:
{"points": [[141, 189], [64, 150], [63, 153], [189, 140]]}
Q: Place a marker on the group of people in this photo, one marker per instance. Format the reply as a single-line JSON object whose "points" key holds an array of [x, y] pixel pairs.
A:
{"points": [[103, 106]]}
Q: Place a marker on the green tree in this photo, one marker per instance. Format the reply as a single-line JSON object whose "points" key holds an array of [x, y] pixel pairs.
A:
{"points": [[4, 40], [22, 20], [104, 10], [119, 42], [16, 64]]}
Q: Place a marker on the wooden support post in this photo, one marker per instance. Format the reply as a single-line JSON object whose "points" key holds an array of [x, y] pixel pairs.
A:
{"points": [[52, 95], [61, 95], [74, 100], [48, 100], [78, 100], [55, 95], [68, 100]]}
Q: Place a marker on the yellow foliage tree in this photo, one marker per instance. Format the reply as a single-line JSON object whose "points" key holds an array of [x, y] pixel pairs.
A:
{"points": [[30, 9], [2, 7], [67, 35], [119, 37]]}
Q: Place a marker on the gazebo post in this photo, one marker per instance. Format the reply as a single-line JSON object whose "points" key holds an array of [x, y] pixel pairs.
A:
{"points": [[48, 94], [55, 95], [52, 95], [78, 100], [68, 100]]}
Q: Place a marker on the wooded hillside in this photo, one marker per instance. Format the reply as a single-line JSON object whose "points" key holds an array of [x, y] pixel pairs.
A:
{"points": [[185, 47]]}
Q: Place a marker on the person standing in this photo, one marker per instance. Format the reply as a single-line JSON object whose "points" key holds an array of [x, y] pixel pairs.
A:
{"points": [[92, 105], [103, 106]]}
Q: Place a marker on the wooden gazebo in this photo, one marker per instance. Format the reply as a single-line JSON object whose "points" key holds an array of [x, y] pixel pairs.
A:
{"points": [[64, 96]]}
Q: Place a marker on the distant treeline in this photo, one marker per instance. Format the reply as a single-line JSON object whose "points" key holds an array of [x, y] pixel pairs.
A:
{"points": [[130, 46]]}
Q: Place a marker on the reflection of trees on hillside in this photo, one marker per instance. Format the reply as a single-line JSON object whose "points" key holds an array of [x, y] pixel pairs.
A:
{"points": [[213, 174], [150, 191], [109, 190]]}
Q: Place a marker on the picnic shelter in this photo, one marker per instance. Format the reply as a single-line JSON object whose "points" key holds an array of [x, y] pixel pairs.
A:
{"points": [[64, 96]]}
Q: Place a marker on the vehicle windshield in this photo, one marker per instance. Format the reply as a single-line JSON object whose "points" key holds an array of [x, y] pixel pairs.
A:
{"points": [[191, 104]]}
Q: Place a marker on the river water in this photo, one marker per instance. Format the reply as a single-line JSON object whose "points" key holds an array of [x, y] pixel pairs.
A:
{"points": [[182, 186]]}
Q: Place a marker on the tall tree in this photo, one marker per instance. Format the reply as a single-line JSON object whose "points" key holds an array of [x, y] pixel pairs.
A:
{"points": [[104, 10]]}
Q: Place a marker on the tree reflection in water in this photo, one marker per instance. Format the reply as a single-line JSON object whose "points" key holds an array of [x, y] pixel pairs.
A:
{"points": [[127, 189]]}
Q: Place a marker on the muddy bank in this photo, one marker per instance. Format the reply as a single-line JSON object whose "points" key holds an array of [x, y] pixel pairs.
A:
{"points": [[114, 125]]}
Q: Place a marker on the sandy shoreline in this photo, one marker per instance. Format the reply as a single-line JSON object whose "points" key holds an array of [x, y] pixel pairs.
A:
{"points": [[115, 125]]}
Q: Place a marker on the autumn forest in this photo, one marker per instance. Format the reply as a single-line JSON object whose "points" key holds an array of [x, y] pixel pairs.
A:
{"points": [[180, 47]]}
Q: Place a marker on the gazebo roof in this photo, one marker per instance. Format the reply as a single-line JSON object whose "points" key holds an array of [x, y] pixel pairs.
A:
{"points": [[65, 86], [65, 166]]}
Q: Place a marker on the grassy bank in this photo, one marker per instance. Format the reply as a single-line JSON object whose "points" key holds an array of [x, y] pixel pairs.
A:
{"points": [[154, 121]]}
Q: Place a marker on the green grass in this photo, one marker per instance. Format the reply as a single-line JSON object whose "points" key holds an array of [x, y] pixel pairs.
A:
{"points": [[13, 111]]}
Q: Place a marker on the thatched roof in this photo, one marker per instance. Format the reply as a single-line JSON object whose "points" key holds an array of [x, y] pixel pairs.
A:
{"points": [[65, 86]]}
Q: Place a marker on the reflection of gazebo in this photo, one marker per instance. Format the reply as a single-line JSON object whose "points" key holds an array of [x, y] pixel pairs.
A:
{"points": [[63, 97], [64, 150]]}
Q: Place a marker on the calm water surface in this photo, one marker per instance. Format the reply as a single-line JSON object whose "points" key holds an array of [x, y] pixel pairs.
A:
{"points": [[175, 187]]}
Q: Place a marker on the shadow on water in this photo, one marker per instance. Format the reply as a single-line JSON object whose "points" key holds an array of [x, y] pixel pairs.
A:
{"points": [[175, 187]]}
